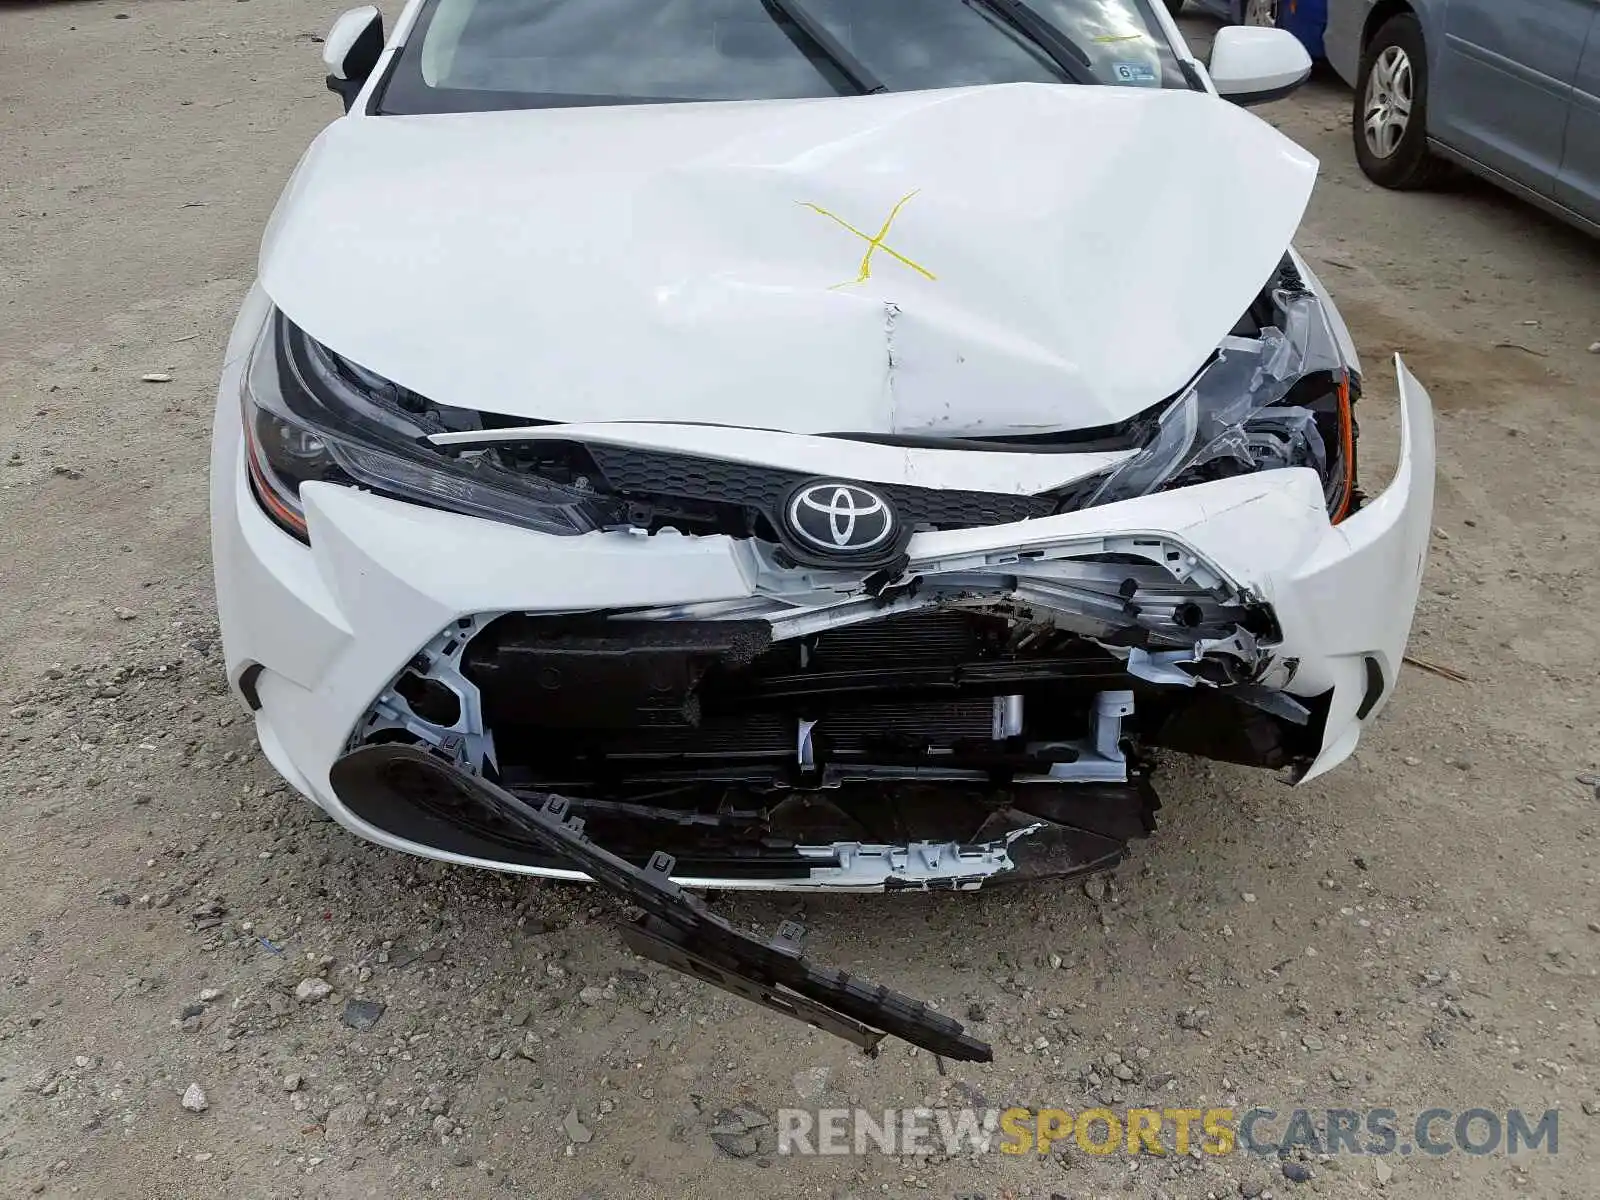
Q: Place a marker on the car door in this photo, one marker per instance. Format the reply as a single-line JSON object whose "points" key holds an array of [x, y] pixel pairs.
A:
{"points": [[1502, 86], [1578, 186]]}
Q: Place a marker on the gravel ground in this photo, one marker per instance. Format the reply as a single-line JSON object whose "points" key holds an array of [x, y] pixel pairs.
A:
{"points": [[204, 989]]}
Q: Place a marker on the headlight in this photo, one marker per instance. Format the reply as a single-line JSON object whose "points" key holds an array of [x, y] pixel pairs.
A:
{"points": [[311, 416], [1280, 398]]}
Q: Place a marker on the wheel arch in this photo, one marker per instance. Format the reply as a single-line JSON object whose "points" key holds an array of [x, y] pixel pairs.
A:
{"points": [[1380, 15]]}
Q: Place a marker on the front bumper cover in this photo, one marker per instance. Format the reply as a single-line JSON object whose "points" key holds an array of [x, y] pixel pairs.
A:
{"points": [[316, 634]]}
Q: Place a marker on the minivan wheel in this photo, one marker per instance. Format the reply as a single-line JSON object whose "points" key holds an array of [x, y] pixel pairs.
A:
{"points": [[1389, 120]]}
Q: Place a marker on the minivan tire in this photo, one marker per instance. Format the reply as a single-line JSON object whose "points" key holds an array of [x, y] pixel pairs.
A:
{"points": [[1411, 164]]}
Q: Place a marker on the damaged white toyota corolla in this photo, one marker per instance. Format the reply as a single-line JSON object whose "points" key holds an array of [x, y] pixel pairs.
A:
{"points": [[830, 442]]}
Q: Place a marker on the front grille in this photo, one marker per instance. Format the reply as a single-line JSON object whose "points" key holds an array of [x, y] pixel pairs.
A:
{"points": [[647, 475], [907, 641]]}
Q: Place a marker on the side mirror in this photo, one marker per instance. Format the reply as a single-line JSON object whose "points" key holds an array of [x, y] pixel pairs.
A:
{"points": [[1253, 65], [353, 47]]}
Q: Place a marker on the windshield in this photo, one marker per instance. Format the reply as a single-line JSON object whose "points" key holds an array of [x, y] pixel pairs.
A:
{"points": [[471, 55]]}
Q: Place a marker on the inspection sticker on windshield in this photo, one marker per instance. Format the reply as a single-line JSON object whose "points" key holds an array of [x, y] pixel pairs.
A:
{"points": [[1136, 73]]}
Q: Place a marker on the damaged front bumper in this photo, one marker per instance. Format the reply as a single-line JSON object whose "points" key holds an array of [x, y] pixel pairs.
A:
{"points": [[1028, 662], [674, 928]]}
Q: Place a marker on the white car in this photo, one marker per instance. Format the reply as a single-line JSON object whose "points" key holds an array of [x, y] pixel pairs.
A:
{"points": [[831, 442]]}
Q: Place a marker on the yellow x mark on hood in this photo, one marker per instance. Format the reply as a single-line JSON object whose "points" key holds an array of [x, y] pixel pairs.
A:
{"points": [[874, 244]]}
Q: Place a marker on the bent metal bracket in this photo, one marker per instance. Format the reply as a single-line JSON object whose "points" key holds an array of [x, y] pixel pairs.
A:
{"points": [[675, 928]]}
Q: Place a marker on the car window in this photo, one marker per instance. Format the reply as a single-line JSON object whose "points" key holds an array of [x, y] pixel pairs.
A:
{"points": [[485, 54]]}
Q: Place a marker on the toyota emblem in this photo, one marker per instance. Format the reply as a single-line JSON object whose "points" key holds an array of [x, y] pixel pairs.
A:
{"points": [[843, 519]]}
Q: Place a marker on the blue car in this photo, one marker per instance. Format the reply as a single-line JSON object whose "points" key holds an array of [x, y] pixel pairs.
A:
{"points": [[1303, 18]]}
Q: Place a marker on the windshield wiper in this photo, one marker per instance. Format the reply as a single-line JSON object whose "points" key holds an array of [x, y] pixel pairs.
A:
{"points": [[1066, 54], [824, 43]]}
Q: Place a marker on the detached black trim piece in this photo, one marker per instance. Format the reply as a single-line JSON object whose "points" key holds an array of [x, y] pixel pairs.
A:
{"points": [[677, 930]]}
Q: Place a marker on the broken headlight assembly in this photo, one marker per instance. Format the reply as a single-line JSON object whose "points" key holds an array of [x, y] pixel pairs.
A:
{"points": [[312, 416], [1276, 393]]}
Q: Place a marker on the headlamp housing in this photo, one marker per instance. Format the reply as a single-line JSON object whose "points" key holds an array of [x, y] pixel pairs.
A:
{"points": [[1280, 397], [313, 416]]}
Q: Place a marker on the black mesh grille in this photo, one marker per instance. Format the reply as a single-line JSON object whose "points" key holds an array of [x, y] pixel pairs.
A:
{"points": [[643, 474], [916, 639]]}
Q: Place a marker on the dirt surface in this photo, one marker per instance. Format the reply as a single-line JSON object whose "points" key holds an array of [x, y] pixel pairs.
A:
{"points": [[1418, 929]]}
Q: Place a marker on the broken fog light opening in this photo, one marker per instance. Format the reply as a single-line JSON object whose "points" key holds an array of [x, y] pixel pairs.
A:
{"points": [[312, 416], [1281, 398]]}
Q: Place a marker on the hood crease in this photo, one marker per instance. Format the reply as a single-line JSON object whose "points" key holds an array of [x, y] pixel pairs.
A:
{"points": [[1019, 258]]}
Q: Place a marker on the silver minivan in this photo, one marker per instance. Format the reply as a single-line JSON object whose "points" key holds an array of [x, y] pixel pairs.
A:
{"points": [[1509, 89]]}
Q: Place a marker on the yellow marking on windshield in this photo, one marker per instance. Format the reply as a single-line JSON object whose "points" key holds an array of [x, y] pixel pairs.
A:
{"points": [[1121, 37], [874, 244]]}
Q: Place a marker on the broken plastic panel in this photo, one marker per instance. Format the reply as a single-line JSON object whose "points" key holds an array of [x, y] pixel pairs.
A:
{"points": [[1231, 419], [676, 928]]}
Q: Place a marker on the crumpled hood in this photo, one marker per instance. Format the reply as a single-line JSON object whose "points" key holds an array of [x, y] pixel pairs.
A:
{"points": [[1061, 257]]}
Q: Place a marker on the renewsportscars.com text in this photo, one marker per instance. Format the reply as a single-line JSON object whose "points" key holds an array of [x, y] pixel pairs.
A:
{"points": [[1162, 1131]]}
